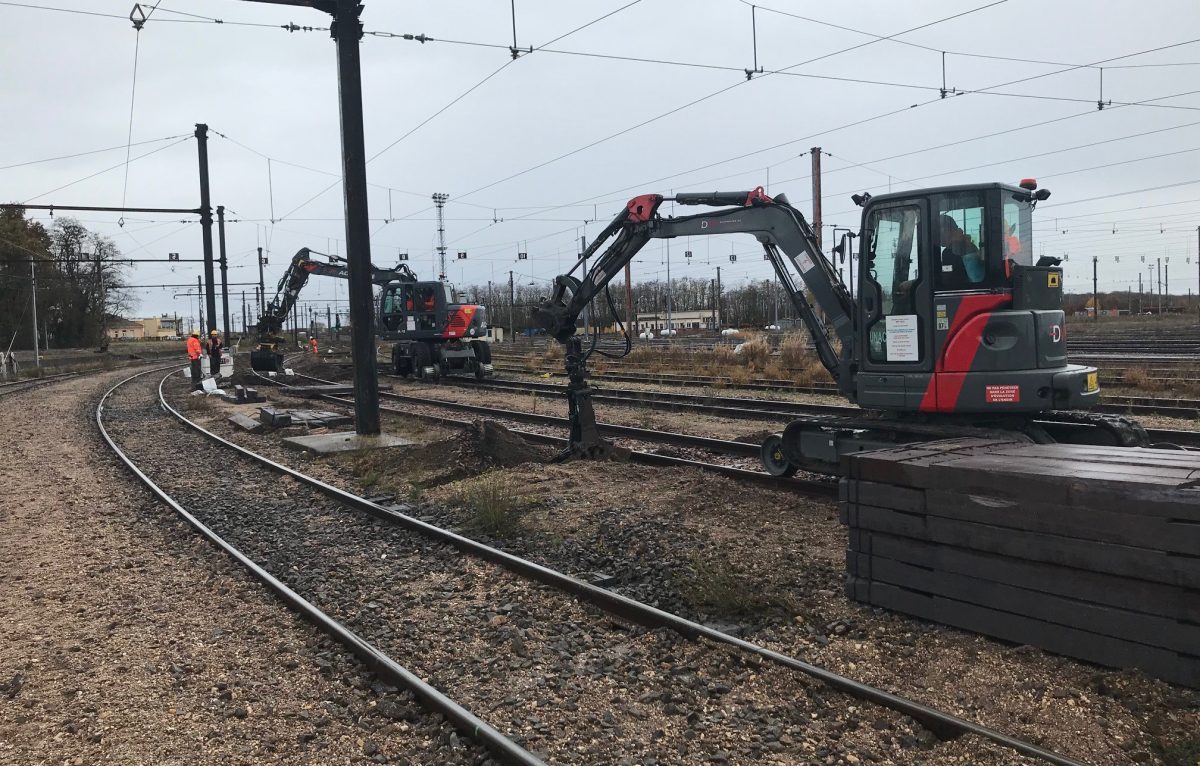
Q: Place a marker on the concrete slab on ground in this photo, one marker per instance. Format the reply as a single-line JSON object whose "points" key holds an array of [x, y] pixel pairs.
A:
{"points": [[325, 444], [245, 423], [281, 418]]}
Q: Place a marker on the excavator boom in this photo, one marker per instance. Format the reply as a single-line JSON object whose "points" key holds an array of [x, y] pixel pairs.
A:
{"points": [[786, 238]]}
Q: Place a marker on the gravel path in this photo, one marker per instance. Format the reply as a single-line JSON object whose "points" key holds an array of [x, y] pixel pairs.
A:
{"points": [[127, 640], [563, 679]]}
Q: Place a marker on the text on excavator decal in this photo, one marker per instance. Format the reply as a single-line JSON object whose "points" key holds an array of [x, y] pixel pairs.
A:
{"points": [[1002, 394]]}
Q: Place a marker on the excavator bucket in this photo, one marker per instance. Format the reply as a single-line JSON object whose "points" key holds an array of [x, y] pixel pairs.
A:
{"points": [[265, 360]]}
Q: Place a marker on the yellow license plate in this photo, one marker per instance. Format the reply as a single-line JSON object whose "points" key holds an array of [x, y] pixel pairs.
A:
{"points": [[1093, 381]]}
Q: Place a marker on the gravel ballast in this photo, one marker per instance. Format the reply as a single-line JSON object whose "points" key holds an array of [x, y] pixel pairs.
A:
{"points": [[659, 532], [564, 680], [128, 640]]}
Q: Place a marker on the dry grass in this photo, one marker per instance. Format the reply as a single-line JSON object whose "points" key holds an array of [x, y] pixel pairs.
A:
{"points": [[794, 352], [198, 404], [754, 354], [1136, 377], [716, 588], [812, 372], [495, 506]]}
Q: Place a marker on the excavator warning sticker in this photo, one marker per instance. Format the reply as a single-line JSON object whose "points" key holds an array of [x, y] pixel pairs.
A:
{"points": [[1052, 279], [805, 262], [1002, 394], [901, 335]]}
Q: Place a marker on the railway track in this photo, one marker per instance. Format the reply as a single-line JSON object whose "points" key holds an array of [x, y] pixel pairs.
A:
{"points": [[629, 436], [1173, 407], [1113, 377], [382, 582], [28, 384], [17, 386], [729, 407]]}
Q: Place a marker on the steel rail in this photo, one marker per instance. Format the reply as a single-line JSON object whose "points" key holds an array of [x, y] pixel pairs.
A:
{"points": [[821, 389], [800, 486], [17, 386], [1182, 408], [944, 725], [734, 407], [27, 384], [744, 449], [723, 446], [463, 719]]}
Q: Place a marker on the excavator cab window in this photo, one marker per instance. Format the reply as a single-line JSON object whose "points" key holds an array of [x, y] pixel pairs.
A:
{"points": [[894, 266], [1017, 232], [963, 257], [396, 308], [426, 305]]}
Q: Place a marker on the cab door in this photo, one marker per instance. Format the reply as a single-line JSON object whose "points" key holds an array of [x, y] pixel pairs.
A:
{"points": [[896, 292]]}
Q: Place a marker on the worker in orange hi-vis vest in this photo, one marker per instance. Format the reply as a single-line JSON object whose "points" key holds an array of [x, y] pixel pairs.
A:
{"points": [[193, 352], [313, 343]]}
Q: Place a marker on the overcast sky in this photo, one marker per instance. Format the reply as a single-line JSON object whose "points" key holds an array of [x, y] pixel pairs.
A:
{"points": [[533, 147]]}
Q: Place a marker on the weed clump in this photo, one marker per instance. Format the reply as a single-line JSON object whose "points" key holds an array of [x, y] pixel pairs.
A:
{"points": [[716, 588], [794, 352], [754, 354], [495, 506], [1135, 377]]}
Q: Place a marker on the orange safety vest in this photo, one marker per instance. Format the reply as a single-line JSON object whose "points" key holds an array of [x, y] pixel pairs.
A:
{"points": [[314, 345], [193, 348]]}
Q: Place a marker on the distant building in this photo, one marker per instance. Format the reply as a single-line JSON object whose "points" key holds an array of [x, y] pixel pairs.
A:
{"points": [[680, 320], [164, 326], [124, 329]]}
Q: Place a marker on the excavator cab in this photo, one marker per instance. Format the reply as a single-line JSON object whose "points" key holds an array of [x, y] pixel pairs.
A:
{"points": [[954, 315], [434, 333]]}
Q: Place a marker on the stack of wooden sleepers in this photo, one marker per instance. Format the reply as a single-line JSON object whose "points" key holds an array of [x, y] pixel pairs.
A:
{"points": [[1089, 552]]}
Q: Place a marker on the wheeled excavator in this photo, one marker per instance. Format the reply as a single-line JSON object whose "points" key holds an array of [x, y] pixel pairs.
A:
{"points": [[431, 333], [954, 331]]}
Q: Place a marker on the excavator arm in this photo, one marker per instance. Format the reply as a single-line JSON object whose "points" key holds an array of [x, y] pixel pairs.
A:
{"points": [[779, 227], [785, 236], [302, 266]]}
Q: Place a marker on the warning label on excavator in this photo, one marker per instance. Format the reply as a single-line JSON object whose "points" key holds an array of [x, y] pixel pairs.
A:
{"points": [[1052, 279], [1002, 394], [901, 332], [805, 262]]}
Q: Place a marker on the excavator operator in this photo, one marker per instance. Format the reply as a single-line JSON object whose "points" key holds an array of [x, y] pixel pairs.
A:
{"points": [[962, 263]]}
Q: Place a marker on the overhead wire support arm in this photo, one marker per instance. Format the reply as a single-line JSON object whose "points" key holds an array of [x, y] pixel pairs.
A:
{"points": [[98, 209], [754, 42], [516, 51]]}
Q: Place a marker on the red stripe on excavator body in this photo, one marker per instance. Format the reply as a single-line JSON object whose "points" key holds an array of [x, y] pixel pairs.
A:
{"points": [[959, 352]]}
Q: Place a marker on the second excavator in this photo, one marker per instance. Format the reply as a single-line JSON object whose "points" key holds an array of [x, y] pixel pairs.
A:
{"points": [[431, 333]]}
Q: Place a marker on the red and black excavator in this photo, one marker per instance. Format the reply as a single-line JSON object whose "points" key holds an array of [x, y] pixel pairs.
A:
{"points": [[432, 334], [955, 330]]}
